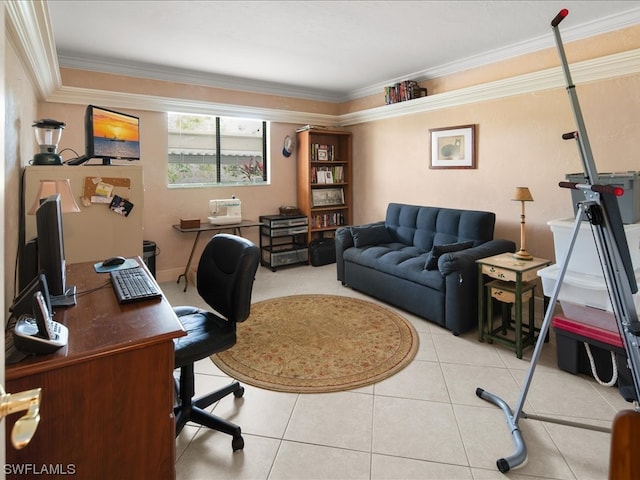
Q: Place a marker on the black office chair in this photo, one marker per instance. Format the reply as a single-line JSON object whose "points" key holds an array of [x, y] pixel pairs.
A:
{"points": [[225, 276]]}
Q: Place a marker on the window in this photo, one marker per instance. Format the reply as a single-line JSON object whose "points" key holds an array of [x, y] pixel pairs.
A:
{"points": [[206, 150]]}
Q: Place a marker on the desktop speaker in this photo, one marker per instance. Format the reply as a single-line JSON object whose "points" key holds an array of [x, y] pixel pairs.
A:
{"points": [[27, 264]]}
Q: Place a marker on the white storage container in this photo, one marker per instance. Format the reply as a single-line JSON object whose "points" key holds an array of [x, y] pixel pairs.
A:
{"points": [[584, 257], [580, 289]]}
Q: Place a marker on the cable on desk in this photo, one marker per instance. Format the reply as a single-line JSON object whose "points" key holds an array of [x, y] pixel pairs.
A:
{"points": [[95, 289]]}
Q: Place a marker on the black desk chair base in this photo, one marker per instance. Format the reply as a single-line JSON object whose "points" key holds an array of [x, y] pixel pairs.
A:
{"points": [[193, 409]]}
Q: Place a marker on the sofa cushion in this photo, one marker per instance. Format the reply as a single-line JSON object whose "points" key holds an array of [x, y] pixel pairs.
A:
{"points": [[398, 260], [370, 235], [437, 250]]}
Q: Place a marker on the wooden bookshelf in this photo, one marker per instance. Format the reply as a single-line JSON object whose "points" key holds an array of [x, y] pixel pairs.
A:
{"points": [[324, 179]]}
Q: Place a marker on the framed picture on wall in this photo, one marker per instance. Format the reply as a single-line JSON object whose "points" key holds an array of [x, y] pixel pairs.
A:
{"points": [[453, 147]]}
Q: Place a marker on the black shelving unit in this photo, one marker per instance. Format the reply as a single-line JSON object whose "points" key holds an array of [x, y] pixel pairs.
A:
{"points": [[283, 240]]}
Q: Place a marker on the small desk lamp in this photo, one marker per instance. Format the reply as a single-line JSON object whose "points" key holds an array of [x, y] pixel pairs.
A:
{"points": [[48, 133], [51, 187], [522, 194]]}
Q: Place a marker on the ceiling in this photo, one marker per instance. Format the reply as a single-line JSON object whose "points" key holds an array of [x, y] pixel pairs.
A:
{"points": [[323, 50]]}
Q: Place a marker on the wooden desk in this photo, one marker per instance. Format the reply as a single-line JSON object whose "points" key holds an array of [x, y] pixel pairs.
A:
{"points": [[107, 397], [209, 227]]}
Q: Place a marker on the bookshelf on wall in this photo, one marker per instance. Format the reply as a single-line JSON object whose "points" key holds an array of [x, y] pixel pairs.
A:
{"points": [[324, 179]]}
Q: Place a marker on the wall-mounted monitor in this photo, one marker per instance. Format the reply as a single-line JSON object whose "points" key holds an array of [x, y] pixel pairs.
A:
{"points": [[111, 135]]}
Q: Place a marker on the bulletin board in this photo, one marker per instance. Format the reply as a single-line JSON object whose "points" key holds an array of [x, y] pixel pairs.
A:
{"points": [[102, 189]]}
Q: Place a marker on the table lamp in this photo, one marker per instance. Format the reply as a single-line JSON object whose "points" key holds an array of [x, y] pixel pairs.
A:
{"points": [[51, 187], [48, 133], [522, 195]]}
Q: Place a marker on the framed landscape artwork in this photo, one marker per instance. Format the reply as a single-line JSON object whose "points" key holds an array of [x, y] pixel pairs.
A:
{"points": [[322, 197], [453, 147]]}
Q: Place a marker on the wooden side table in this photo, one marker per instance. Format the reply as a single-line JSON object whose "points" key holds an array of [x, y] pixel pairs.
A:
{"points": [[517, 282]]}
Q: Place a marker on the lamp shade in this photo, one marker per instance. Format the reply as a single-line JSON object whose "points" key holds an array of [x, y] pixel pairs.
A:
{"points": [[51, 187], [522, 194]]}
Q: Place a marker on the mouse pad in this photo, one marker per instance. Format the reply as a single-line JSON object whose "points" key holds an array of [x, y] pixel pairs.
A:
{"points": [[128, 263]]}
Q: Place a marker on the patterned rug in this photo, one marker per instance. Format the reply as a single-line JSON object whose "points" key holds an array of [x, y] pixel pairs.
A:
{"points": [[318, 343]]}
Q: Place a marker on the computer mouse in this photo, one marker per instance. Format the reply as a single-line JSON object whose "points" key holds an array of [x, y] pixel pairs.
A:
{"points": [[113, 261]]}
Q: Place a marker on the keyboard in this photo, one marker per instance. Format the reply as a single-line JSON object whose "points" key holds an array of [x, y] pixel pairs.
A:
{"points": [[134, 285]]}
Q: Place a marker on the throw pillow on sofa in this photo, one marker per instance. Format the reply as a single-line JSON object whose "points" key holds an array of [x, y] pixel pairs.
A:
{"points": [[370, 235], [437, 250]]}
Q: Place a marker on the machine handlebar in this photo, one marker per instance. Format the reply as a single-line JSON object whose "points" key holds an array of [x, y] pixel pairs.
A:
{"points": [[559, 17], [617, 191]]}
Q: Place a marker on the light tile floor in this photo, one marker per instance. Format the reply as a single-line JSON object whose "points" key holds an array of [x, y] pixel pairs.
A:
{"points": [[425, 422]]}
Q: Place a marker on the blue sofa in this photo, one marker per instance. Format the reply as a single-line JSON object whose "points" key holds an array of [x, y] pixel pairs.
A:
{"points": [[421, 259]]}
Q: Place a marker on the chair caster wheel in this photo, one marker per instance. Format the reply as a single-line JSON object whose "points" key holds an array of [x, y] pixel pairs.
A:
{"points": [[239, 392], [237, 443]]}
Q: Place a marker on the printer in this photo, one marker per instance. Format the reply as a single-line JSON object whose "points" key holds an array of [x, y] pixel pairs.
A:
{"points": [[226, 211]]}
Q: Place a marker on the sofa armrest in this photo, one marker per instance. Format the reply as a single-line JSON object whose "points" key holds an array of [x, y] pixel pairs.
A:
{"points": [[343, 240], [461, 273], [465, 260]]}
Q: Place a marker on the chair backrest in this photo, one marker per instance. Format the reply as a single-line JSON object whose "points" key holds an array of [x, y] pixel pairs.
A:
{"points": [[226, 272]]}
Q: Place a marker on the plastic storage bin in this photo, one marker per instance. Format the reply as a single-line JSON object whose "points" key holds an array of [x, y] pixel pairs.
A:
{"points": [[580, 289], [573, 357], [584, 257], [629, 202]]}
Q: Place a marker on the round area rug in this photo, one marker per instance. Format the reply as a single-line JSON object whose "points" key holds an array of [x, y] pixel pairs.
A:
{"points": [[318, 343]]}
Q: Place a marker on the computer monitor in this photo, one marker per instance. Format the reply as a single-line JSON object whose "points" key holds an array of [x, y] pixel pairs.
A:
{"points": [[111, 135], [51, 256]]}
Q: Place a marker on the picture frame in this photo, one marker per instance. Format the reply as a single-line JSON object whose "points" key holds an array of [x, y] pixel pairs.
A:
{"points": [[453, 147], [324, 197]]}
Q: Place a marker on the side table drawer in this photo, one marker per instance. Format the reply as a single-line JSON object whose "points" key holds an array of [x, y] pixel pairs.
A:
{"points": [[499, 273], [506, 293]]}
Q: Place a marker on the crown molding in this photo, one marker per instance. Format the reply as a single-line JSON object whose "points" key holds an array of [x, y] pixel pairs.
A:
{"points": [[28, 29], [617, 65], [85, 96], [192, 77], [160, 72]]}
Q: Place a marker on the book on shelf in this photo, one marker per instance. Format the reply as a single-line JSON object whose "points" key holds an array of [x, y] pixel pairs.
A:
{"points": [[324, 176], [322, 153], [403, 91], [327, 220], [310, 127]]}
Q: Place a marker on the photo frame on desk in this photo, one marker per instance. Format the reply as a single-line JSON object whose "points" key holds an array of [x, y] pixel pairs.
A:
{"points": [[325, 197], [453, 147]]}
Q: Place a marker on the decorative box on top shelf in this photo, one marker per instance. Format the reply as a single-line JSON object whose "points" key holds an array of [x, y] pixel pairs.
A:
{"points": [[403, 91]]}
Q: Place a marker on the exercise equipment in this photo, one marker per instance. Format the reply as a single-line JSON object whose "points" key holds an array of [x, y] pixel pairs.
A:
{"points": [[600, 207]]}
